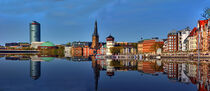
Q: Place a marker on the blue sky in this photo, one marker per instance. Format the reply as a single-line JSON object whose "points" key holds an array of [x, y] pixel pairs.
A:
{"points": [[65, 21]]}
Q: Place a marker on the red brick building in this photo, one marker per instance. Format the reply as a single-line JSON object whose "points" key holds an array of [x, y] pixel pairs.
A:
{"points": [[172, 41], [148, 45]]}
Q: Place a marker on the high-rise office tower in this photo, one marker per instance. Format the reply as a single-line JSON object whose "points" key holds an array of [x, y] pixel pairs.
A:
{"points": [[35, 35]]}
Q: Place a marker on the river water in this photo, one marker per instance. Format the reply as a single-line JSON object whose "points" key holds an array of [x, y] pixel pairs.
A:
{"points": [[47, 73]]}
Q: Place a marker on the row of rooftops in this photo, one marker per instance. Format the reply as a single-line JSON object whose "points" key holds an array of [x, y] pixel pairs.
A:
{"points": [[201, 23]]}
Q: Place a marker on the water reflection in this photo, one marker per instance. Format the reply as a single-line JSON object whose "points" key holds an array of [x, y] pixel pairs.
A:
{"points": [[35, 68], [177, 70], [180, 71]]}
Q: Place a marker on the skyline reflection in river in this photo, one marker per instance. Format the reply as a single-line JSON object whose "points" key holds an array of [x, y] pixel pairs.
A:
{"points": [[89, 74]]}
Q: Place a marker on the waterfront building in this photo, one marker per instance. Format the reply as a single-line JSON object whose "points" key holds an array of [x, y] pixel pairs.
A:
{"points": [[95, 37], [140, 47], [148, 45], [182, 39], [77, 51], [88, 51], [35, 35], [172, 41], [109, 43], [14, 45], [67, 51], [35, 44], [125, 43], [191, 40], [129, 49], [203, 28], [47, 45], [80, 44], [77, 48], [165, 46], [2, 47], [17, 45]]}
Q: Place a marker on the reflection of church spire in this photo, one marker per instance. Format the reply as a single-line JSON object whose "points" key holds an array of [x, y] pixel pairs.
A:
{"points": [[35, 69], [96, 72]]}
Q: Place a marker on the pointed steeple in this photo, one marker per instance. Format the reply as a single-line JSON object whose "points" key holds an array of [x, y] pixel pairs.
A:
{"points": [[95, 29]]}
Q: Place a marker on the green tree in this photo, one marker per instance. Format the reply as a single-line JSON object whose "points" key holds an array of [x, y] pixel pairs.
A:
{"points": [[116, 50], [68, 44]]}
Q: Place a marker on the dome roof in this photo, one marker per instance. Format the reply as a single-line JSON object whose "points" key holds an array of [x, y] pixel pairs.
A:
{"points": [[47, 44]]}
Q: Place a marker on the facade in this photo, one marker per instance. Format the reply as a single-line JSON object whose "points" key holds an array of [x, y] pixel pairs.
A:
{"points": [[191, 40], [35, 35], [203, 31], [88, 51], [109, 43], [77, 51], [165, 46], [149, 44], [129, 49], [2, 47], [95, 37], [17, 45], [67, 51], [172, 41], [35, 44], [140, 47], [182, 39]]}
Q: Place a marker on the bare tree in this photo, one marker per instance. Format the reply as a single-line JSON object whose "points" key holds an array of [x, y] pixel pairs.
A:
{"points": [[206, 13]]}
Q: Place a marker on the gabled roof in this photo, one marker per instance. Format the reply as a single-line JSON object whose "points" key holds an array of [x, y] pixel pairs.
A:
{"points": [[202, 23], [193, 32]]}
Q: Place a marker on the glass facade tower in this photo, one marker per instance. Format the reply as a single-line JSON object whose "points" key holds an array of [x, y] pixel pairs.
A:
{"points": [[35, 35]]}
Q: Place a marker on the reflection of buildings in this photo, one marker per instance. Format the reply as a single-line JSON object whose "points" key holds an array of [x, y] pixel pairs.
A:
{"points": [[184, 72], [189, 72], [171, 70], [96, 70], [35, 67], [80, 58], [17, 57]]}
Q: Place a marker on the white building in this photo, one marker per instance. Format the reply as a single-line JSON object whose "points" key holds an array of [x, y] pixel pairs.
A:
{"points": [[67, 51], [192, 41], [109, 43], [182, 39], [36, 44]]}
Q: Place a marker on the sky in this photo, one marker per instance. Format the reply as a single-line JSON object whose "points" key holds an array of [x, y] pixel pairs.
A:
{"points": [[65, 21]]}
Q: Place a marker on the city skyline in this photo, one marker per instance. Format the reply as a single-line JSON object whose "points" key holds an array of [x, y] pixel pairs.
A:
{"points": [[67, 21]]}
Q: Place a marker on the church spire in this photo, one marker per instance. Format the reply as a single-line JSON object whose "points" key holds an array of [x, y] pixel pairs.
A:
{"points": [[95, 29], [95, 37]]}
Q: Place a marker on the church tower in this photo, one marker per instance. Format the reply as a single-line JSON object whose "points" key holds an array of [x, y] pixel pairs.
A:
{"points": [[95, 37]]}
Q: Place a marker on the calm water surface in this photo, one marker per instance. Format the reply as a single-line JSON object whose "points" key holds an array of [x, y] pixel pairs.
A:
{"points": [[33, 73]]}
